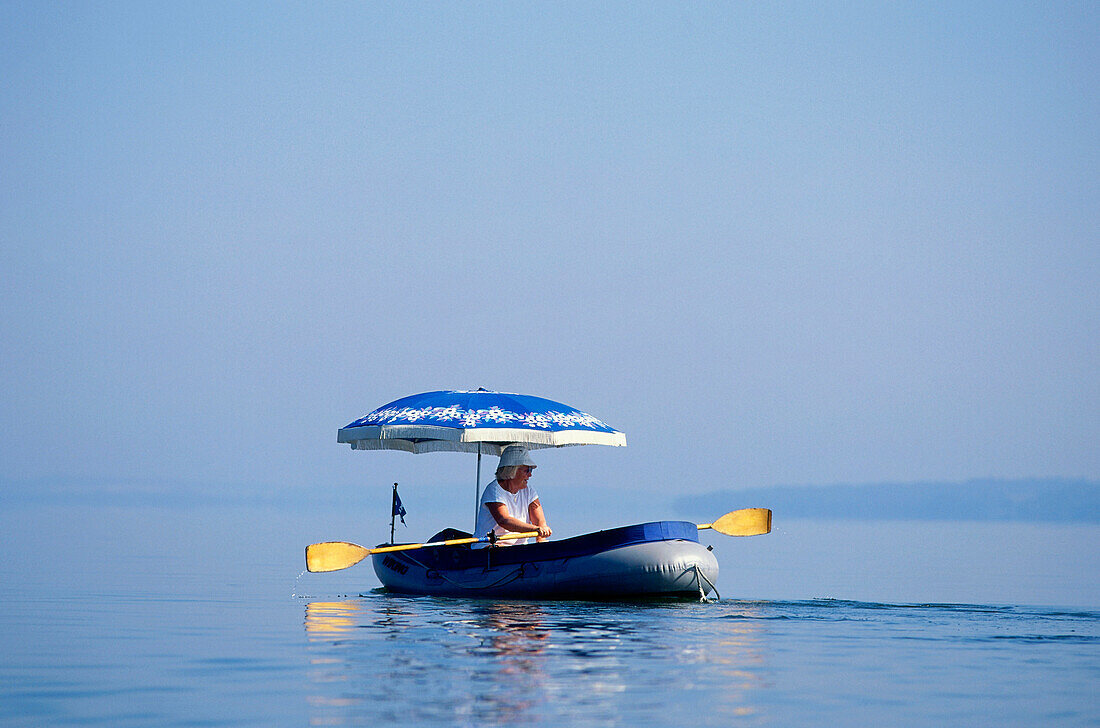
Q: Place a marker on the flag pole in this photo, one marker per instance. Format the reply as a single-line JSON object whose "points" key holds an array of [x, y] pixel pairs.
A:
{"points": [[393, 511]]}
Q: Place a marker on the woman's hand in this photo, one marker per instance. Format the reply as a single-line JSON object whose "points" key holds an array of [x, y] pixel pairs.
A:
{"points": [[538, 518]]}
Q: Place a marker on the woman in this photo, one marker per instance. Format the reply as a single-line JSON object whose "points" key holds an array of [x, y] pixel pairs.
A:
{"points": [[509, 504]]}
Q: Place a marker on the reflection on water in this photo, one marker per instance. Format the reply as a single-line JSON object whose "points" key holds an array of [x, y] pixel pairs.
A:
{"points": [[465, 662], [514, 637], [326, 619], [737, 654]]}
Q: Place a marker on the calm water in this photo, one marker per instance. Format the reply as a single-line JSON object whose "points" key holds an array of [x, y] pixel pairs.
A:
{"points": [[130, 620]]}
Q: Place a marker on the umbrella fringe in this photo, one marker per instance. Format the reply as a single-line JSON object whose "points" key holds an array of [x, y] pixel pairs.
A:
{"points": [[440, 439]]}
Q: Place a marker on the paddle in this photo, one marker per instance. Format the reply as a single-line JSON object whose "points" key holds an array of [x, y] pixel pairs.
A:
{"points": [[745, 522], [336, 555]]}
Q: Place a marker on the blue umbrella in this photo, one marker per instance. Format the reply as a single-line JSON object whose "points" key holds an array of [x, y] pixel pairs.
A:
{"points": [[479, 421], [475, 421]]}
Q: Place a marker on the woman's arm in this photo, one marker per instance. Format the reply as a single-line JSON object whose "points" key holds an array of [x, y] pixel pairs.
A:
{"points": [[537, 517], [510, 523]]}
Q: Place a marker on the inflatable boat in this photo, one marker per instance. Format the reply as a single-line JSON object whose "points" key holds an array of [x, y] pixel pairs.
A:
{"points": [[646, 560]]}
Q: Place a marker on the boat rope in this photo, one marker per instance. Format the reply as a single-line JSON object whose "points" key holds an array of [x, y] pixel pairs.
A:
{"points": [[502, 581], [699, 579]]}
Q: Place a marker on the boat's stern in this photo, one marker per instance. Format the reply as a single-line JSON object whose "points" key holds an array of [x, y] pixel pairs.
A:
{"points": [[674, 568]]}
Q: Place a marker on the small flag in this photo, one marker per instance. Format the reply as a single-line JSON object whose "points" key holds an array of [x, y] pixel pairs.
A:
{"points": [[398, 508]]}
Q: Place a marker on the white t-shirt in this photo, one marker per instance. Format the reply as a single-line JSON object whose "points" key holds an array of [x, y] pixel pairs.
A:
{"points": [[515, 503]]}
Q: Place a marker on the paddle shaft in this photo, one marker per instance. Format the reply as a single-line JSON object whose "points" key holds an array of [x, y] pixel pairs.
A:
{"points": [[451, 542], [336, 555]]}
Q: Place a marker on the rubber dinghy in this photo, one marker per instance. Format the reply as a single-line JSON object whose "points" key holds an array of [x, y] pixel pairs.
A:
{"points": [[658, 559]]}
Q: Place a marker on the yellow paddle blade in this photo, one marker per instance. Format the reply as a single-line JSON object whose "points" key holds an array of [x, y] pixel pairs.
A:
{"points": [[334, 555], [745, 522]]}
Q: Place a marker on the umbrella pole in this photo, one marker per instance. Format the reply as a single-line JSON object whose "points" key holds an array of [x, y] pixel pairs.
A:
{"points": [[477, 487]]}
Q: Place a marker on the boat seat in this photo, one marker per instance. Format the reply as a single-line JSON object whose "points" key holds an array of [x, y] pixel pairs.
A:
{"points": [[449, 534]]}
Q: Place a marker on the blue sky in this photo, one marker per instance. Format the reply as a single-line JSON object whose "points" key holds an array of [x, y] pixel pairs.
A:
{"points": [[792, 244]]}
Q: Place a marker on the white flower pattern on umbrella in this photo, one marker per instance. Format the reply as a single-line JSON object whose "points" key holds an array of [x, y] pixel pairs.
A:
{"points": [[480, 421], [475, 417]]}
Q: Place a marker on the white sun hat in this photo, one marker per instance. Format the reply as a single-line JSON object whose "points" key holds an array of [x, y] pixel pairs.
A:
{"points": [[515, 455]]}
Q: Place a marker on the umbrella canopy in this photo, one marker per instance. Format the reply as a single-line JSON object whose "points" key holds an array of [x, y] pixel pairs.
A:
{"points": [[475, 421]]}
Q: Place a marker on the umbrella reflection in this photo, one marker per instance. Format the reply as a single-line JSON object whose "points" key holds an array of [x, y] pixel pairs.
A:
{"points": [[515, 637], [514, 632]]}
